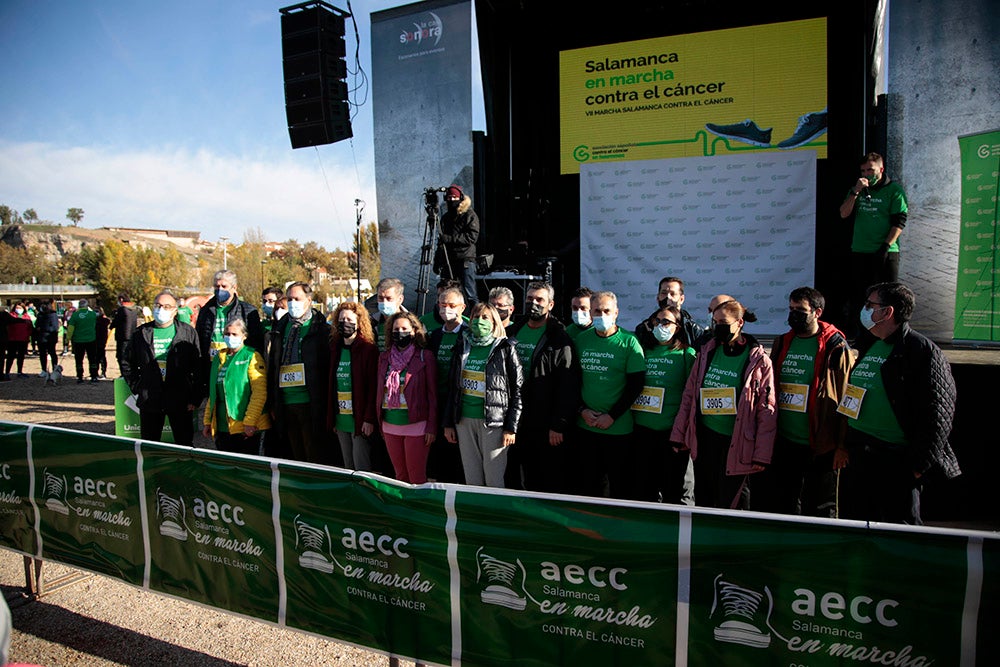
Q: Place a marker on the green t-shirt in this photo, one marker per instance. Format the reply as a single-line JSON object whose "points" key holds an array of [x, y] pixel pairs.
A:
{"points": [[84, 321], [473, 382], [345, 398], [184, 314], [575, 330], [872, 217], [221, 316], [526, 340], [726, 372], [605, 362], [162, 338], [795, 382], [430, 322], [876, 417], [397, 416], [667, 372], [298, 395]]}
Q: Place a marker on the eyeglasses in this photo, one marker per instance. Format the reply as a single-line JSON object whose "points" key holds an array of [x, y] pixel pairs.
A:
{"points": [[873, 304], [665, 321]]}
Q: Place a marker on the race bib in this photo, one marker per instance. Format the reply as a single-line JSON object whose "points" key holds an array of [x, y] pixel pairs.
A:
{"points": [[217, 346], [850, 403], [292, 375], [474, 383], [650, 400], [345, 402], [718, 401], [793, 397], [162, 363]]}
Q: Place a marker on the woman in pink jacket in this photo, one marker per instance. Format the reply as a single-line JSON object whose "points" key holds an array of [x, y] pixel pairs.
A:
{"points": [[727, 418], [406, 400]]}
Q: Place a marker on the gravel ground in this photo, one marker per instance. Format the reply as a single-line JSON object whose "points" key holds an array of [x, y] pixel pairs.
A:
{"points": [[99, 621]]}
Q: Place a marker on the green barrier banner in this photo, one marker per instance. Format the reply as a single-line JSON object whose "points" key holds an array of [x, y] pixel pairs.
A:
{"points": [[17, 516], [87, 493], [565, 583], [774, 593], [454, 575], [366, 561], [211, 535], [977, 294]]}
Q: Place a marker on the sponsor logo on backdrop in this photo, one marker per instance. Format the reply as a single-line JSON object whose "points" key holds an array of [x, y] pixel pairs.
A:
{"points": [[91, 500], [430, 28]]}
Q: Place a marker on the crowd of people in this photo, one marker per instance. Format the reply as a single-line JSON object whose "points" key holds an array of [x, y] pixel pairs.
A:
{"points": [[671, 411]]}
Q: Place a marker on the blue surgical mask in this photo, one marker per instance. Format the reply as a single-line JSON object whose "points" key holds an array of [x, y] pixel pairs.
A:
{"points": [[233, 342], [388, 308], [222, 295], [581, 318], [604, 322], [268, 308], [664, 332], [163, 315]]}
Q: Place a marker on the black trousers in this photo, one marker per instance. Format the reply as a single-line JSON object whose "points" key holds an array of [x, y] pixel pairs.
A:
{"points": [[181, 423], [712, 486], [90, 351], [879, 485]]}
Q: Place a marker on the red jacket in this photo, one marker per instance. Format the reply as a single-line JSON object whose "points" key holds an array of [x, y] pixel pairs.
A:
{"points": [[364, 361], [420, 389], [19, 328]]}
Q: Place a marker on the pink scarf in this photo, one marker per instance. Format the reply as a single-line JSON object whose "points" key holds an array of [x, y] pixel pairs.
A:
{"points": [[398, 361]]}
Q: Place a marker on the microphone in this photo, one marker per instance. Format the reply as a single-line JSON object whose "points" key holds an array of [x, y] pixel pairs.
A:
{"points": [[866, 193]]}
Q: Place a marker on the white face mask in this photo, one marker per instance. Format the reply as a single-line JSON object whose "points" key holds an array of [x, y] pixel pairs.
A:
{"points": [[162, 315], [581, 318], [866, 318], [234, 341], [664, 332], [296, 309], [604, 322], [279, 313], [449, 314]]}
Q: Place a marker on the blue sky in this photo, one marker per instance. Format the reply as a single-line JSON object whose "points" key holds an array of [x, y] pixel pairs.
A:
{"points": [[171, 115]]}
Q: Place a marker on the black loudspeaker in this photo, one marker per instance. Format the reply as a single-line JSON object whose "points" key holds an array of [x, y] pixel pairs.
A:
{"points": [[313, 52]]}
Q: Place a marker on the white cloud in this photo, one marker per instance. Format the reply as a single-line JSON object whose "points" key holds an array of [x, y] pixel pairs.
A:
{"points": [[200, 191]]}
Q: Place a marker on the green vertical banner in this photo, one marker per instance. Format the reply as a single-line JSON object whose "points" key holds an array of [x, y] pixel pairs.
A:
{"points": [[366, 561], [211, 534], [977, 294], [17, 516], [127, 422], [87, 492], [769, 592], [555, 582]]}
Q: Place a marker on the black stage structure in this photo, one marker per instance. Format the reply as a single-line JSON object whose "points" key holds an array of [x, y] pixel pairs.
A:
{"points": [[531, 212]]}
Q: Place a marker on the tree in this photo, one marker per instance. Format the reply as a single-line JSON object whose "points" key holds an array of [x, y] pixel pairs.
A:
{"points": [[74, 215], [20, 265], [30, 215], [7, 214]]}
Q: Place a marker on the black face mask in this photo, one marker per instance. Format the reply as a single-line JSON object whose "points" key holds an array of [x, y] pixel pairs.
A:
{"points": [[402, 338], [503, 312], [663, 303], [346, 329], [536, 312], [723, 333], [798, 321]]}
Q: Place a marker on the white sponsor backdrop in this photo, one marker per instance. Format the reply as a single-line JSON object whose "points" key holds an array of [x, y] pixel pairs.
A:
{"points": [[741, 224]]}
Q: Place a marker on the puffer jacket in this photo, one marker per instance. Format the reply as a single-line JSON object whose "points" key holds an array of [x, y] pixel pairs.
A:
{"points": [[504, 377], [460, 231], [921, 390], [756, 410]]}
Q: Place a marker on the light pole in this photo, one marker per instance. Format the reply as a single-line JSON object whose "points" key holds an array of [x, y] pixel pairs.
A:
{"points": [[358, 206], [263, 285], [225, 256]]}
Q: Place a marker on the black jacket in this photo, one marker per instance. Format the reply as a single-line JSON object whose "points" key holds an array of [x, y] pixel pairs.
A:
{"points": [[124, 323], [47, 326], [181, 387], [459, 233], [315, 356], [551, 390], [921, 390], [206, 328], [502, 403]]}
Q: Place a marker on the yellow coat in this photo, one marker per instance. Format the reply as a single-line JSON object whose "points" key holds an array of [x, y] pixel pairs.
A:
{"points": [[255, 414]]}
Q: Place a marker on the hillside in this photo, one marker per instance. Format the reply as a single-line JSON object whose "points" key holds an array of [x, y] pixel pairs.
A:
{"points": [[55, 241]]}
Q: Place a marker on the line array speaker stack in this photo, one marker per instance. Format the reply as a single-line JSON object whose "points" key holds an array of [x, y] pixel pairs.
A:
{"points": [[313, 52]]}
